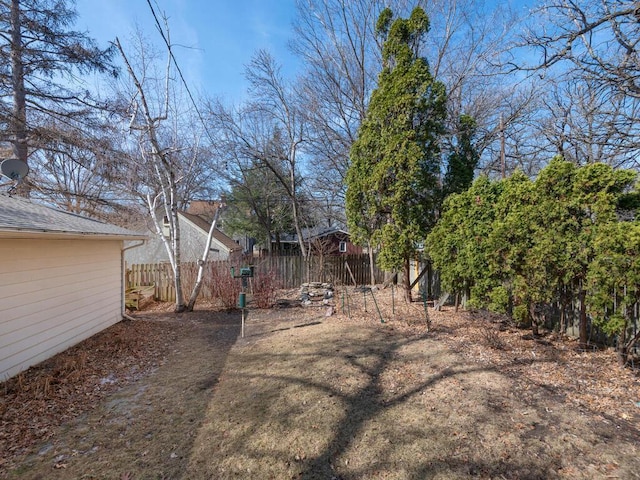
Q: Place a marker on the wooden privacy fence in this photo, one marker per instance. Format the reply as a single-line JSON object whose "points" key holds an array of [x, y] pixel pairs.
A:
{"points": [[291, 272], [287, 271], [158, 274]]}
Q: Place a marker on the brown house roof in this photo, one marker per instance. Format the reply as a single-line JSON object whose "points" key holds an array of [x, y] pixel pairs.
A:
{"points": [[203, 207]]}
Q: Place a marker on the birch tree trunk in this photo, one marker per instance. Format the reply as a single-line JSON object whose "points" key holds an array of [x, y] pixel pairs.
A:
{"points": [[160, 159], [201, 263]]}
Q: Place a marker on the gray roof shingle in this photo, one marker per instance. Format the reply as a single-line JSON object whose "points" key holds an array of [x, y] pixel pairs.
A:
{"points": [[18, 214]]}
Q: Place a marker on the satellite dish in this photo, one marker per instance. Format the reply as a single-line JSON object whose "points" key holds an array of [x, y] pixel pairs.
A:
{"points": [[14, 169]]}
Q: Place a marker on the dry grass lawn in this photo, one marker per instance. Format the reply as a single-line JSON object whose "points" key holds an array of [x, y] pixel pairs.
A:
{"points": [[305, 396]]}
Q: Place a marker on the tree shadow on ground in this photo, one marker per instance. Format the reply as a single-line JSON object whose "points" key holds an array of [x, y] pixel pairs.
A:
{"points": [[310, 403], [370, 402]]}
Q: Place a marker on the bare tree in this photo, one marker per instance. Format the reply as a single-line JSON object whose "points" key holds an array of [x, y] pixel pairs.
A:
{"points": [[169, 152], [276, 102], [337, 43], [586, 55], [267, 131], [336, 39], [79, 173], [510, 137], [584, 124], [41, 58], [259, 203], [465, 48], [203, 260], [594, 39]]}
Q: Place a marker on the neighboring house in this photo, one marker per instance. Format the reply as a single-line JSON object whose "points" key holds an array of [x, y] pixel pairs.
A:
{"points": [[194, 230], [207, 208], [61, 281], [330, 241]]}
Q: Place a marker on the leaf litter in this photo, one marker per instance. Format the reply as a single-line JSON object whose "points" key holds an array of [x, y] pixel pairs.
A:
{"points": [[309, 396]]}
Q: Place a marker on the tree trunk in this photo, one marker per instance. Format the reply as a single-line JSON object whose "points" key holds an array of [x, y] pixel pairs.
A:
{"points": [[180, 305], [564, 302], [18, 122], [203, 261], [583, 319], [534, 319], [627, 345], [623, 345], [296, 208], [622, 349], [270, 240], [278, 247], [407, 280], [165, 174], [622, 355], [371, 264]]}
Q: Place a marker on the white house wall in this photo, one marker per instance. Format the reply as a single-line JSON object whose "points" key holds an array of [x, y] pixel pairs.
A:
{"points": [[54, 294], [153, 251], [192, 243]]}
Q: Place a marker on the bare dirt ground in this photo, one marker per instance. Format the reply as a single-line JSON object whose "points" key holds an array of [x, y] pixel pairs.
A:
{"points": [[307, 396]]}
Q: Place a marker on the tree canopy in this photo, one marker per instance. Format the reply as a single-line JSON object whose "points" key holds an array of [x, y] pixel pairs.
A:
{"points": [[525, 246], [392, 181], [41, 58]]}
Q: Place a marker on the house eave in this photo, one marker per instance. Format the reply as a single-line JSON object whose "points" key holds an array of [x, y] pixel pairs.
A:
{"points": [[50, 234]]}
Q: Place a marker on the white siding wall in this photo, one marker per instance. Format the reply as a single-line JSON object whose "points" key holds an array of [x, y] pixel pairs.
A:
{"points": [[153, 251], [192, 242], [53, 294]]}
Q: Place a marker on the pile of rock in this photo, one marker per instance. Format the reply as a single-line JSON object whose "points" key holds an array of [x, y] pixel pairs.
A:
{"points": [[316, 291]]}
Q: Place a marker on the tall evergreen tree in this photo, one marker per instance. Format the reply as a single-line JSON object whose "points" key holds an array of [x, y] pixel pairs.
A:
{"points": [[463, 160], [41, 57], [392, 182]]}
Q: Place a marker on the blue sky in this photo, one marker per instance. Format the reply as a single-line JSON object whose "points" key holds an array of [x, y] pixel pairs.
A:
{"points": [[219, 37]]}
